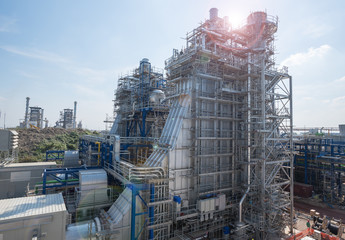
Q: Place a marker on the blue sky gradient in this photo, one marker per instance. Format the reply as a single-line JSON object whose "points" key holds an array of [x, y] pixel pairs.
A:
{"points": [[58, 52]]}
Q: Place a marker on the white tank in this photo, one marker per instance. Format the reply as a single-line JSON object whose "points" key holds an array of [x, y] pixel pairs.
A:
{"points": [[157, 96]]}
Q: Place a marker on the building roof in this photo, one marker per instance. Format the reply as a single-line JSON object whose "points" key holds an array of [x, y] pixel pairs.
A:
{"points": [[13, 208]]}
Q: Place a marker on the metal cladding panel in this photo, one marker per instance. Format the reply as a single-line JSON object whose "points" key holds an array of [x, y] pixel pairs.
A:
{"points": [[92, 197], [31, 206], [93, 179], [71, 158], [4, 140]]}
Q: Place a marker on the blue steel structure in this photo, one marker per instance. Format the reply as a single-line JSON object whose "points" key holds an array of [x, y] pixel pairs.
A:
{"points": [[140, 103], [136, 189], [141, 111], [321, 162], [96, 151], [62, 177], [55, 155]]}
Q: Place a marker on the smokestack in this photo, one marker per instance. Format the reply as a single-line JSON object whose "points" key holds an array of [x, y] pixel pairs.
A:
{"points": [[213, 14], [26, 113], [42, 111], [75, 115]]}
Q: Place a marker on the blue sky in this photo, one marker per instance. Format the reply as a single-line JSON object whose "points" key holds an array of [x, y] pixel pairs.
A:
{"points": [[58, 52]]}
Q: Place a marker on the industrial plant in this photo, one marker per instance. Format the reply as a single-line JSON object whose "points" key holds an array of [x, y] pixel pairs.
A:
{"points": [[202, 149]]}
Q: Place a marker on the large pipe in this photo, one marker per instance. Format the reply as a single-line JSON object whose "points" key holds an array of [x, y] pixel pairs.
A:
{"points": [[26, 112], [241, 203], [75, 115]]}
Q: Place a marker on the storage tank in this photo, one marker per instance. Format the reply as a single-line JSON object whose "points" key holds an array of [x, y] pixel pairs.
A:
{"points": [[157, 96]]}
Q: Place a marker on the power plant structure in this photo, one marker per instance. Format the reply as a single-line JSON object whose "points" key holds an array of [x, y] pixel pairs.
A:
{"points": [[68, 118], [205, 152], [33, 116], [319, 163]]}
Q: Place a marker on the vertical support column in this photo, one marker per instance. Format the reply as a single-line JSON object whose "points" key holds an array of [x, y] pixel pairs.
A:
{"points": [[291, 161], [133, 210], [151, 209], [306, 163], [44, 181]]}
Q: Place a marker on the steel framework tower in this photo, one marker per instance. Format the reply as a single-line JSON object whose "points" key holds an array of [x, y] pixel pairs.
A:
{"points": [[141, 110], [222, 157], [242, 117]]}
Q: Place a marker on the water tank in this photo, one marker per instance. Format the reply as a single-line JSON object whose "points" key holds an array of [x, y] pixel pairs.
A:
{"points": [[213, 14]]}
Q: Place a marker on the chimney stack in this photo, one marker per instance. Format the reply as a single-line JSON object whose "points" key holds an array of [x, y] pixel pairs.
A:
{"points": [[26, 113], [75, 115]]}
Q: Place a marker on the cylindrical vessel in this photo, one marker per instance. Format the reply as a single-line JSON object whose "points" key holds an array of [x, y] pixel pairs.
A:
{"points": [[213, 14]]}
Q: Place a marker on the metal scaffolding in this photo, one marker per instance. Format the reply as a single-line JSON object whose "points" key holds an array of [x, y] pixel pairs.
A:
{"points": [[320, 162], [141, 111], [210, 148], [241, 118]]}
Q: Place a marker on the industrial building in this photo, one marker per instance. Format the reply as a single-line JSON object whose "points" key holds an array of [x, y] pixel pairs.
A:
{"points": [[8, 146], [33, 117], [17, 178], [204, 152], [68, 118], [319, 162], [207, 151], [37, 217]]}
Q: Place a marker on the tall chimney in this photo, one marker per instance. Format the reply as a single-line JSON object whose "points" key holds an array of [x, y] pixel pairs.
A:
{"points": [[213, 14], [26, 113], [75, 115], [41, 123]]}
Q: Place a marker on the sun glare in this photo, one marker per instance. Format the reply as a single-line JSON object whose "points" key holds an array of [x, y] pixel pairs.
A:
{"points": [[236, 20]]}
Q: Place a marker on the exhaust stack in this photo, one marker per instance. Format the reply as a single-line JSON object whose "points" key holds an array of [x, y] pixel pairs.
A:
{"points": [[75, 115], [26, 113]]}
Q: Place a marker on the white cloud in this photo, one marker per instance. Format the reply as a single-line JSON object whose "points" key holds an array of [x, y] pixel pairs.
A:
{"points": [[2, 98], [7, 23], [316, 30], [342, 79], [307, 98], [88, 74], [36, 54], [339, 100], [89, 91], [28, 75], [303, 57]]}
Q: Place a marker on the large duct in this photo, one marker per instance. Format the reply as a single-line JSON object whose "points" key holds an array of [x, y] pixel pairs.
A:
{"points": [[26, 112], [75, 115]]}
